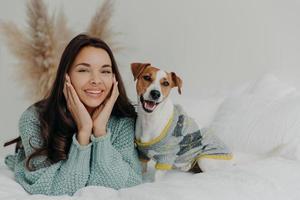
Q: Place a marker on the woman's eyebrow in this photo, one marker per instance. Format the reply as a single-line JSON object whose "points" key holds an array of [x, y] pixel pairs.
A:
{"points": [[106, 66], [88, 65], [84, 64]]}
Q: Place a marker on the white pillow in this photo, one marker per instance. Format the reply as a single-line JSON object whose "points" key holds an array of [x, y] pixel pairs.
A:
{"points": [[203, 105], [260, 119]]}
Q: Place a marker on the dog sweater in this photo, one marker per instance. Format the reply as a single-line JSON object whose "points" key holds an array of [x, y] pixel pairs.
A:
{"points": [[109, 161], [181, 144]]}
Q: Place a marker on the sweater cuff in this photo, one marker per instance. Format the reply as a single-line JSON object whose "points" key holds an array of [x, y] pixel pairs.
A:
{"points": [[102, 149], [79, 156], [101, 138], [79, 146]]}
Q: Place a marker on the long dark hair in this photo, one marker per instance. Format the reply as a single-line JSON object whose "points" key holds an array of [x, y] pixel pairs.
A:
{"points": [[57, 125]]}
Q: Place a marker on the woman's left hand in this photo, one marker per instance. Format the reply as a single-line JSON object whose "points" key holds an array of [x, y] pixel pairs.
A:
{"points": [[102, 114]]}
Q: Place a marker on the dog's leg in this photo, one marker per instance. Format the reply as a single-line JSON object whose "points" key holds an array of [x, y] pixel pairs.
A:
{"points": [[144, 166], [159, 174], [207, 164]]}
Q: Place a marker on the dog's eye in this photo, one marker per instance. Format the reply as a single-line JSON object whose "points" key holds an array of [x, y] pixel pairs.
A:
{"points": [[165, 83], [147, 78]]}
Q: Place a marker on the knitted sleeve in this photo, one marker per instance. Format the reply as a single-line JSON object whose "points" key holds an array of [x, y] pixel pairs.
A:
{"points": [[115, 162], [164, 161], [63, 177], [214, 147]]}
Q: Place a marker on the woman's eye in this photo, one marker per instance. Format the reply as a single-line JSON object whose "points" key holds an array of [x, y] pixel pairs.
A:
{"points": [[106, 72], [165, 83], [82, 70], [147, 78]]}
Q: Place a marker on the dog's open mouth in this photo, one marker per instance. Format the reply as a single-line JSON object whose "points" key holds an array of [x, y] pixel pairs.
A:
{"points": [[148, 106]]}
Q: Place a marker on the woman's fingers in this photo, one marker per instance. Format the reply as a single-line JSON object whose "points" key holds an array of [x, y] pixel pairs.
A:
{"points": [[116, 89], [74, 95], [97, 111], [72, 92], [71, 95], [70, 101], [67, 93], [115, 92], [68, 80]]}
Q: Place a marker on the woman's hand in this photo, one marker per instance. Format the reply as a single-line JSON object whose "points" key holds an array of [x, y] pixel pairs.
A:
{"points": [[102, 114], [79, 113]]}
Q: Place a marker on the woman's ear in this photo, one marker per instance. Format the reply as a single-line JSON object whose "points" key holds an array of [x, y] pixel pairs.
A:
{"points": [[177, 82], [138, 68]]}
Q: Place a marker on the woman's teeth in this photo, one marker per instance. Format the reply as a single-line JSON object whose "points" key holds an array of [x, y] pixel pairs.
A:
{"points": [[93, 93]]}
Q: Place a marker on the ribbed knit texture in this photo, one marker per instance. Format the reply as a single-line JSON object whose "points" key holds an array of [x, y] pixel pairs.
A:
{"points": [[109, 161], [182, 144]]}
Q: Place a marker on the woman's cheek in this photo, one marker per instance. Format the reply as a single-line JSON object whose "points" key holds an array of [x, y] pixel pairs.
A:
{"points": [[110, 85]]}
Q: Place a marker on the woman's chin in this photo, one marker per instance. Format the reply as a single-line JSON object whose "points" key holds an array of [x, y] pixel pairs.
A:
{"points": [[92, 104]]}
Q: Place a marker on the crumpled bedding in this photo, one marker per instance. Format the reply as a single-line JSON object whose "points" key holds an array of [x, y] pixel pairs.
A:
{"points": [[264, 178]]}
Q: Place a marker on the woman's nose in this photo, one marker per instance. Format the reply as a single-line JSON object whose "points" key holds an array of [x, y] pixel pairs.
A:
{"points": [[95, 79]]}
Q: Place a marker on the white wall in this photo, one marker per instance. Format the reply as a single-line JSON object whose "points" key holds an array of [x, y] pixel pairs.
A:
{"points": [[209, 43]]}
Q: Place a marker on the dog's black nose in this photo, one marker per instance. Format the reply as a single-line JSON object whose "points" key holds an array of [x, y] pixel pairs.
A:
{"points": [[155, 94]]}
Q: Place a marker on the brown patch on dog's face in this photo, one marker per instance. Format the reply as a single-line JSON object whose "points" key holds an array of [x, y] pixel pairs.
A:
{"points": [[145, 79], [138, 68], [166, 84]]}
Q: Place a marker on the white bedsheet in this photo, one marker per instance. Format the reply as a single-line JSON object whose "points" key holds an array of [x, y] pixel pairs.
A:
{"points": [[275, 176], [263, 179]]}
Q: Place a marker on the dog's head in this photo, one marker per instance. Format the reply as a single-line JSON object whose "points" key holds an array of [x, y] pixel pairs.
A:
{"points": [[153, 85]]}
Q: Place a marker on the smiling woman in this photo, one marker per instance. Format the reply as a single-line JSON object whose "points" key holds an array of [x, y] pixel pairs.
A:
{"points": [[82, 133], [92, 76]]}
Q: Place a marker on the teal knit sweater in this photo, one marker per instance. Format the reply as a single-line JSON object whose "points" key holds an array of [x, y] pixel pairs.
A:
{"points": [[109, 161]]}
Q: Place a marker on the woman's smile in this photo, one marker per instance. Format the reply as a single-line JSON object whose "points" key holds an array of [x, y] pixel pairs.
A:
{"points": [[93, 93]]}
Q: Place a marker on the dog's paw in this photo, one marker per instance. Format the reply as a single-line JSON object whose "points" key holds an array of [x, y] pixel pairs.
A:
{"points": [[208, 164], [159, 175]]}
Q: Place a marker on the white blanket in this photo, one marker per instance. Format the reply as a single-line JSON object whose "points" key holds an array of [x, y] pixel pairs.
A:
{"points": [[272, 112], [264, 178]]}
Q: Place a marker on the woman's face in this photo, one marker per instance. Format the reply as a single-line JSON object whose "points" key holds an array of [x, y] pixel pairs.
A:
{"points": [[91, 76]]}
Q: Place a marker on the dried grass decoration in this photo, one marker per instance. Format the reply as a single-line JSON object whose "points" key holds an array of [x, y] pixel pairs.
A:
{"points": [[38, 48]]}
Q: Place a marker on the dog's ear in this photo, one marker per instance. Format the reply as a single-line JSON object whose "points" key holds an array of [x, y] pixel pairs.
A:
{"points": [[138, 68], [177, 82]]}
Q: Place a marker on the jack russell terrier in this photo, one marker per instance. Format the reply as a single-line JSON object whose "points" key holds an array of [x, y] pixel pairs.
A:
{"points": [[165, 133]]}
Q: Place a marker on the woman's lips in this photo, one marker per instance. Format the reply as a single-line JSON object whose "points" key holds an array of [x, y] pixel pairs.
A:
{"points": [[93, 93]]}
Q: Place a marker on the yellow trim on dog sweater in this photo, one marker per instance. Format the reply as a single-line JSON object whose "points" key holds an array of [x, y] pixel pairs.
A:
{"points": [[161, 135], [163, 166], [181, 143]]}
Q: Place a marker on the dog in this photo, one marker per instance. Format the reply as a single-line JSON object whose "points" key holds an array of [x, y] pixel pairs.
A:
{"points": [[165, 133]]}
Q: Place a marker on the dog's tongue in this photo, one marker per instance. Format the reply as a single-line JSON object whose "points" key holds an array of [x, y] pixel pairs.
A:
{"points": [[149, 105]]}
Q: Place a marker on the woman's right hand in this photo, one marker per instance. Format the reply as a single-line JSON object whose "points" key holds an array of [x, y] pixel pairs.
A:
{"points": [[79, 113]]}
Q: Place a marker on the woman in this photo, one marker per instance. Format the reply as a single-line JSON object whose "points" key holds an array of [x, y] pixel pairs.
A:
{"points": [[83, 132]]}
